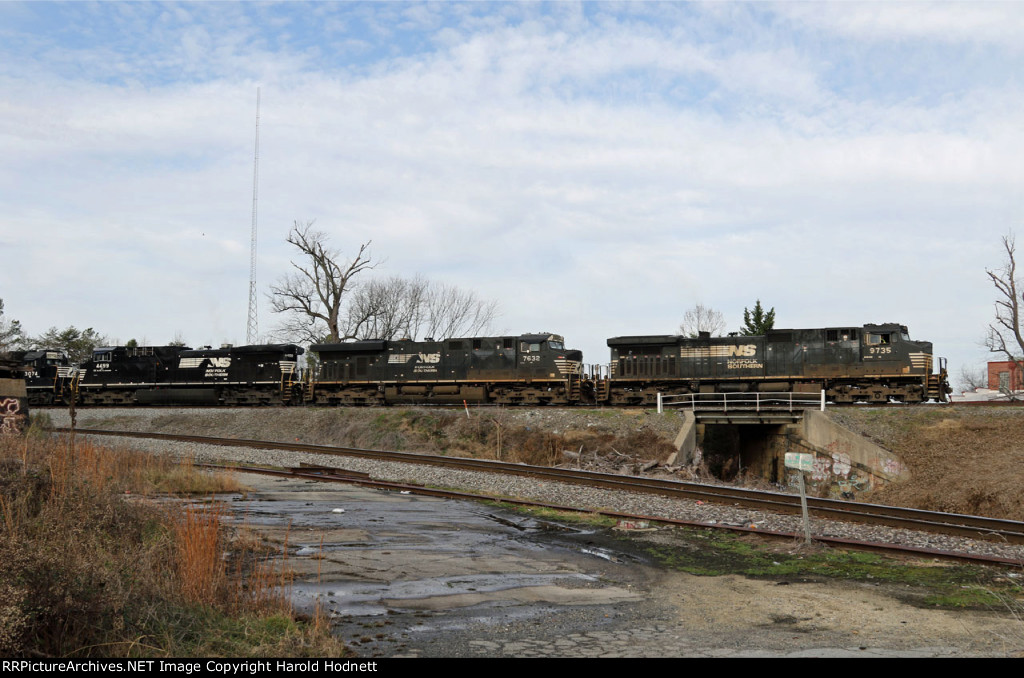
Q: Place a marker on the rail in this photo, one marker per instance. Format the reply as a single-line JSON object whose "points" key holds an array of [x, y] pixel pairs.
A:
{"points": [[747, 402]]}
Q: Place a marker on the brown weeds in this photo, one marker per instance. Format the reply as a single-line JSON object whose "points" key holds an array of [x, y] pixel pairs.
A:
{"points": [[200, 567], [90, 571]]}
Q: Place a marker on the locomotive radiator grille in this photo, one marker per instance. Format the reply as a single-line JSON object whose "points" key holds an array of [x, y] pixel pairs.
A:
{"points": [[921, 361], [568, 366]]}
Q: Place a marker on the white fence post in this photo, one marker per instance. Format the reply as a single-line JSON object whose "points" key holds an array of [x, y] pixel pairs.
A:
{"points": [[660, 410]]}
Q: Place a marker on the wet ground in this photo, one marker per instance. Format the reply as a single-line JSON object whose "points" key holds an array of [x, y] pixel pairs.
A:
{"points": [[409, 575], [404, 575]]}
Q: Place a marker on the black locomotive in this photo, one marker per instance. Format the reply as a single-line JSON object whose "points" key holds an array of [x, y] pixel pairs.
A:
{"points": [[873, 363], [231, 375], [531, 369], [48, 374]]}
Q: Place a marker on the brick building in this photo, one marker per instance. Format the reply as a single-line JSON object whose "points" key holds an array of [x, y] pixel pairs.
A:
{"points": [[1004, 375]]}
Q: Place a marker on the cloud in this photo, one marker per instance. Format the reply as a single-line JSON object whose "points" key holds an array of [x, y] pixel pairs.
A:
{"points": [[601, 165]]}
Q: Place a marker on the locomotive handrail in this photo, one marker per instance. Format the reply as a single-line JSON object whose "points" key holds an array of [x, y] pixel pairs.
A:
{"points": [[756, 402]]}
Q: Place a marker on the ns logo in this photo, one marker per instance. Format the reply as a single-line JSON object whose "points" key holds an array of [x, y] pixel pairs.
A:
{"points": [[220, 362], [744, 351], [430, 357]]}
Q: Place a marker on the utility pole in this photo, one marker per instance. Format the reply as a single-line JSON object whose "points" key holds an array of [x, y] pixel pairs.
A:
{"points": [[251, 332]]}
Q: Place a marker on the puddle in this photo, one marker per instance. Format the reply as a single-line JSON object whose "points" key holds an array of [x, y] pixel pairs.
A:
{"points": [[398, 573]]}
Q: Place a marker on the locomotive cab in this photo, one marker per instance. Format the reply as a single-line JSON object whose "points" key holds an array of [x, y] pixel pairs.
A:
{"points": [[48, 374]]}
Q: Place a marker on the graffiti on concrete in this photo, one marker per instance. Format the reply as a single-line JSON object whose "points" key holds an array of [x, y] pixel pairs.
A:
{"points": [[833, 473], [840, 464], [892, 466], [11, 418], [822, 469], [847, 488]]}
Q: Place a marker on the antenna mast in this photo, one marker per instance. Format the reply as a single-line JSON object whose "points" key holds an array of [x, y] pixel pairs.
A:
{"points": [[251, 329]]}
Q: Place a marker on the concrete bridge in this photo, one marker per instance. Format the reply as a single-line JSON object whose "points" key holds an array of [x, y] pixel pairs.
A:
{"points": [[757, 430]]}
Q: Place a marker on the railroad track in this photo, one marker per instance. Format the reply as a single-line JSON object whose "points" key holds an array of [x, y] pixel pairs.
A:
{"points": [[974, 527]]}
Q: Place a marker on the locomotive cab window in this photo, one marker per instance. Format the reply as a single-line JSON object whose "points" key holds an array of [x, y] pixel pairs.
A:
{"points": [[527, 347], [556, 346], [878, 338]]}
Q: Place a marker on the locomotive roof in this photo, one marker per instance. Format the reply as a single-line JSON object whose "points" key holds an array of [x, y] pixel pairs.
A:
{"points": [[657, 339], [363, 345], [35, 354], [254, 348]]}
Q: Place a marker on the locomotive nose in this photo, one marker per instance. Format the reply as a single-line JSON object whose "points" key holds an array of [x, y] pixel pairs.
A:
{"points": [[574, 355]]}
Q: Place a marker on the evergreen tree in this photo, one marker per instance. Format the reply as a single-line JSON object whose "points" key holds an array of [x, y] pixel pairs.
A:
{"points": [[757, 322], [77, 344], [11, 335]]}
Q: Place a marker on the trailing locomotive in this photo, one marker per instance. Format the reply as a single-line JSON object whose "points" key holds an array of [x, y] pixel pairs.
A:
{"points": [[873, 363], [240, 375], [48, 374], [531, 369]]}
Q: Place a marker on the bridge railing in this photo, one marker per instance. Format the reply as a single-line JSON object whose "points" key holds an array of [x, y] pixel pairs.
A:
{"points": [[747, 402]]}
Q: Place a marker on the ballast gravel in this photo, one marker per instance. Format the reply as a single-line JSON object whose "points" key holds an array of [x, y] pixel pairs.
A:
{"points": [[502, 486]]}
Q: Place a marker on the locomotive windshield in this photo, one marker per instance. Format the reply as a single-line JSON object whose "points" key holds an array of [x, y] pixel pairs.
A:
{"points": [[556, 345]]}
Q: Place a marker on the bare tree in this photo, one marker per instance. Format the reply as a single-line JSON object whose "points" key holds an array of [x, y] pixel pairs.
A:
{"points": [[390, 308], [396, 308], [702, 318], [313, 296], [972, 378], [1005, 335], [454, 312]]}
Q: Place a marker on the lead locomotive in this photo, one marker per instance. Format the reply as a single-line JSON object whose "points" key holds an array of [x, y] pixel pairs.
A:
{"points": [[873, 363]]}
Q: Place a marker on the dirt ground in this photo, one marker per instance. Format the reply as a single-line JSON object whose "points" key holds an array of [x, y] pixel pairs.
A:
{"points": [[961, 459], [422, 577]]}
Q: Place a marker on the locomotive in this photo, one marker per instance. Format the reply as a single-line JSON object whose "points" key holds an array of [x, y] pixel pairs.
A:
{"points": [[872, 363], [530, 369], [48, 375], [231, 375]]}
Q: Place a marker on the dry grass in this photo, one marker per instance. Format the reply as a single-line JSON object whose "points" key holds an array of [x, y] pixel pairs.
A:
{"points": [[93, 570], [961, 460], [523, 434]]}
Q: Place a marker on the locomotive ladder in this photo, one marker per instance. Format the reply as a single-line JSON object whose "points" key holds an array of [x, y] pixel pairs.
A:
{"points": [[936, 383], [575, 390]]}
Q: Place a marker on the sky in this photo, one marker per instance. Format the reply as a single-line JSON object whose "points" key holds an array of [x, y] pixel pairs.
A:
{"points": [[597, 168]]}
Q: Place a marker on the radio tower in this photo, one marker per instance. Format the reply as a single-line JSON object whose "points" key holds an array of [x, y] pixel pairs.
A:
{"points": [[251, 330]]}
